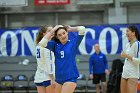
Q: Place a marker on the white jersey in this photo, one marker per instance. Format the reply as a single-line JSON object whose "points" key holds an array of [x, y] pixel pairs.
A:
{"points": [[45, 64], [131, 68]]}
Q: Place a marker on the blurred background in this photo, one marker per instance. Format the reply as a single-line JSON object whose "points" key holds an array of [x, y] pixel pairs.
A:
{"points": [[105, 21]]}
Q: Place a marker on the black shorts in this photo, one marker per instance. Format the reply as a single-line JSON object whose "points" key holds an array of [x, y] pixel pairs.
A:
{"points": [[99, 77]]}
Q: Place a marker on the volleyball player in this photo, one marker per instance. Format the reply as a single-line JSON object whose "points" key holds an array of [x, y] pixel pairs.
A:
{"points": [[66, 71], [44, 77], [130, 75]]}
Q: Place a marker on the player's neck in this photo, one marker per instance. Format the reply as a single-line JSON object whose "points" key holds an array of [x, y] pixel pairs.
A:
{"points": [[132, 41]]}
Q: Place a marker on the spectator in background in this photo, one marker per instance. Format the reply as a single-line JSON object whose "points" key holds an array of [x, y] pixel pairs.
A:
{"points": [[113, 85], [44, 77], [130, 75], [66, 71], [98, 68]]}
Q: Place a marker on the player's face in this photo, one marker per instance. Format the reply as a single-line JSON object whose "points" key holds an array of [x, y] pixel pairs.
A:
{"points": [[130, 34], [62, 35]]}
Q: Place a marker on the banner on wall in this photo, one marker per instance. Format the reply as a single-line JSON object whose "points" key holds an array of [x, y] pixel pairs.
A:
{"points": [[21, 42]]}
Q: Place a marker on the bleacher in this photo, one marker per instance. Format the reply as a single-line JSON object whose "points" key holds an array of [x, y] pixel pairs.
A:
{"points": [[11, 66]]}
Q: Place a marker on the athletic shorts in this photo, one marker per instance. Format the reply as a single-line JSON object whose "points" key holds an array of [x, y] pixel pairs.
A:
{"points": [[69, 80], [99, 77], [44, 83]]}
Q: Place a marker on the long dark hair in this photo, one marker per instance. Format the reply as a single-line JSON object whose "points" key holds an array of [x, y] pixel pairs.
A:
{"points": [[55, 34], [117, 65], [40, 35], [135, 29]]}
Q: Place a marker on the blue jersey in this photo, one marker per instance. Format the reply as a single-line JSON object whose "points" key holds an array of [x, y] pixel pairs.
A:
{"points": [[98, 63], [65, 62]]}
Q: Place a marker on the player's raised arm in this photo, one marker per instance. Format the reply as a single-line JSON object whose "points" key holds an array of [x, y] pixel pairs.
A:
{"points": [[81, 29], [48, 36]]}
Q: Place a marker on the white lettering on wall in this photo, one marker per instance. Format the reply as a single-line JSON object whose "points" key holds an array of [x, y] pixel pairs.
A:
{"points": [[114, 39], [22, 42], [82, 47], [13, 42], [26, 37]]}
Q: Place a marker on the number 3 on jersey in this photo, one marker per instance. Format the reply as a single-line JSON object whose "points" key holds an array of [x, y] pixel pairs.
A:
{"points": [[62, 54], [38, 53]]}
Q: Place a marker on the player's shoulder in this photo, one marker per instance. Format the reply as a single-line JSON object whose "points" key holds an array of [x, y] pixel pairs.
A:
{"points": [[38, 46], [137, 43]]}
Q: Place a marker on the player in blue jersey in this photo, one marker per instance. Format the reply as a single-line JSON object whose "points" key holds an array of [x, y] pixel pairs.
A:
{"points": [[44, 77], [66, 71], [98, 68]]}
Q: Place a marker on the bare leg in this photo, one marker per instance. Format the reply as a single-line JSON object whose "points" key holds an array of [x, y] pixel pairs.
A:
{"points": [[132, 85], [104, 87], [58, 88], [97, 88], [68, 87], [123, 85], [41, 89], [49, 89]]}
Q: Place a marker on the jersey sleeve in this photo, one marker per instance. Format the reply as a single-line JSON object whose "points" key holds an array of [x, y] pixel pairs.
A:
{"points": [[81, 33], [51, 45], [136, 59], [43, 42], [79, 38]]}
